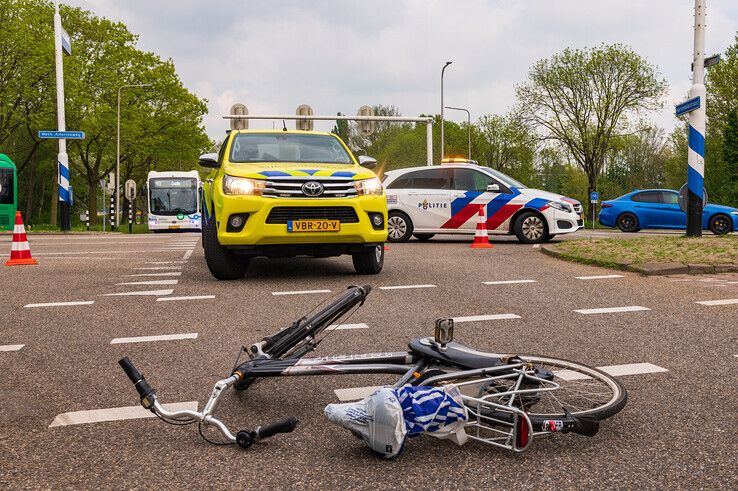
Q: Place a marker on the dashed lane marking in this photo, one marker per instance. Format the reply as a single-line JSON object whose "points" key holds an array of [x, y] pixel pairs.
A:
{"points": [[725, 301], [164, 273], [300, 292], [600, 277], [508, 282], [151, 339], [338, 327], [614, 370], [115, 414], [192, 297], [11, 347], [158, 293], [187, 255], [490, 317], [166, 262], [59, 304], [405, 287], [612, 310], [150, 282], [356, 393], [159, 268]]}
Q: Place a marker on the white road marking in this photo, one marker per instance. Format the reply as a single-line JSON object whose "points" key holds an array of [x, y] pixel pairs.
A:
{"points": [[11, 347], [165, 262], [614, 370], [612, 310], [300, 292], [338, 327], [491, 317], [115, 414], [355, 393], [536, 246], [158, 293], [405, 287], [177, 273], [600, 277], [193, 297], [508, 282], [158, 268], [150, 339], [151, 282], [726, 301], [187, 255], [59, 304]]}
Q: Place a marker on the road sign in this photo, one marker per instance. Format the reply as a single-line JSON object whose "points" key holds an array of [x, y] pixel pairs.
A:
{"points": [[130, 189], [594, 196], [683, 198], [67, 135], [688, 106]]}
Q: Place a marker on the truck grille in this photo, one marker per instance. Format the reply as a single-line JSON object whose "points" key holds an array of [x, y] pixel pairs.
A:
{"points": [[291, 187], [281, 214]]}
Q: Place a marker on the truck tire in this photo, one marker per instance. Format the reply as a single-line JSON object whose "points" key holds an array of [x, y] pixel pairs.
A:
{"points": [[369, 261], [222, 263]]}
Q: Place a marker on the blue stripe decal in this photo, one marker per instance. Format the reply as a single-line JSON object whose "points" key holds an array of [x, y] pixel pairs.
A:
{"points": [[343, 174], [64, 171], [309, 171], [697, 142], [536, 203], [459, 203], [273, 173], [695, 182], [64, 195]]}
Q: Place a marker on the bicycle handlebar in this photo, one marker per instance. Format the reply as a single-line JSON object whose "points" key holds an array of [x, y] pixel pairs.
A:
{"points": [[145, 391]]}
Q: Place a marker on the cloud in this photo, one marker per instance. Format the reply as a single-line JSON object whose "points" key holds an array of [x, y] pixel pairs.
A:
{"points": [[338, 55]]}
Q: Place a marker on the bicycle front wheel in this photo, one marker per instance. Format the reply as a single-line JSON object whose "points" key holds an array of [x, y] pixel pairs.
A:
{"points": [[583, 391]]}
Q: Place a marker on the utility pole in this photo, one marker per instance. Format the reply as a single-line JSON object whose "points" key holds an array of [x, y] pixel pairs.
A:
{"points": [[696, 152], [442, 140], [62, 158], [468, 124]]}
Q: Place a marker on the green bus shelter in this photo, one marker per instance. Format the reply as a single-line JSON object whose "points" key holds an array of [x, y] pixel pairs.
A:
{"points": [[8, 192]]}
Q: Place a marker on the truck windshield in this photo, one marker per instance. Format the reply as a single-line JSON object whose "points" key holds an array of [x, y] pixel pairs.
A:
{"points": [[172, 196], [288, 147]]}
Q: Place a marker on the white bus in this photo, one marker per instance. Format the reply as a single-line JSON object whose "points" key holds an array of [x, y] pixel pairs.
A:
{"points": [[174, 200]]}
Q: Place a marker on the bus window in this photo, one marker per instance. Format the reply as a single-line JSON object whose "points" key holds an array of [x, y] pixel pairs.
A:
{"points": [[173, 196]]}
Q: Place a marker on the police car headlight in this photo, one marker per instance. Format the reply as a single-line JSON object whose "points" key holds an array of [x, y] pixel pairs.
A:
{"points": [[240, 185], [560, 206], [368, 186]]}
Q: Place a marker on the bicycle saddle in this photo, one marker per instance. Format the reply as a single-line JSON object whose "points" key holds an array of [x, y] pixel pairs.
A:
{"points": [[455, 354]]}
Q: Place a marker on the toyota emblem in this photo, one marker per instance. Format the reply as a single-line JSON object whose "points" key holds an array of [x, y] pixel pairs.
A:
{"points": [[312, 189]]}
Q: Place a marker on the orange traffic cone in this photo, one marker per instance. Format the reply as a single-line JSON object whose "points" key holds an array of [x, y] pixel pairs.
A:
{"points": [[481, 240], [20, 252]]}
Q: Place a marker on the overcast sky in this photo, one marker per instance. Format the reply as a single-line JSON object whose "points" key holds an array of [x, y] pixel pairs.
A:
{"points": [[337, 55]]}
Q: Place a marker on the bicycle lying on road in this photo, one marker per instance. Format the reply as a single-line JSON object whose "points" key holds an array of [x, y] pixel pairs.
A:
{"points": [[507, 399]]}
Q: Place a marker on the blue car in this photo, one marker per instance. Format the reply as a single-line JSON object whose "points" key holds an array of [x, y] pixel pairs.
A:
{"points": [[659, 208]]}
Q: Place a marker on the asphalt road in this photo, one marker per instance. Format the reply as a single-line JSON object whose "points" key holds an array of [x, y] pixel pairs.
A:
{"points": [[677, 431]]}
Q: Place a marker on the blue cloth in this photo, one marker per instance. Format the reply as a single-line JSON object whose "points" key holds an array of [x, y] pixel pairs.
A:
{"points": [[428, 409]]}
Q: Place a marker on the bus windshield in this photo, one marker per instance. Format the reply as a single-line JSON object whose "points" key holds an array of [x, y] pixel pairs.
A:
{"points": [[172, 196]]}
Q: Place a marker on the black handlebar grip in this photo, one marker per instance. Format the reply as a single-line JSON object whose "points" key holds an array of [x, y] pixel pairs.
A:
{"points": [[284, 426], [130, 369], [367, 289]]}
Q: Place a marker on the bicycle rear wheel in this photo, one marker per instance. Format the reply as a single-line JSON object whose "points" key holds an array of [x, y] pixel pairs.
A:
{"points": [[583, 391]]}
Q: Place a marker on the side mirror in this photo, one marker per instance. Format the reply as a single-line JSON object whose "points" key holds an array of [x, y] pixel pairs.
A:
{"points": [[493, 188], [368, 162], [209, 160]]}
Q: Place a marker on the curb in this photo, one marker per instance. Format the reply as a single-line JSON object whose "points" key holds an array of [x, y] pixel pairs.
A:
{"points": [[658, 269]]}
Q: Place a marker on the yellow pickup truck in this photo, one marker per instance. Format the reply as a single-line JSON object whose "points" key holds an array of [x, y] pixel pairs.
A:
{"points": [[290, 193]]}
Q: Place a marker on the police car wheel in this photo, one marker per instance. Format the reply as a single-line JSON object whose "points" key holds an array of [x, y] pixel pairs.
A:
{"points": [[531, 228], [222, 263], [369, 261], [399, 227]]}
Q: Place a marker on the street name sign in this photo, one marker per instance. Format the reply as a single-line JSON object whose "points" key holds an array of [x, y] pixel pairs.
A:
{"points": [[688, 106], [66, 135]]}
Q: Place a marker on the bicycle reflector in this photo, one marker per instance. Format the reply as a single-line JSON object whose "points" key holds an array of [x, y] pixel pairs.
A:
{"points": [[522, 435]]}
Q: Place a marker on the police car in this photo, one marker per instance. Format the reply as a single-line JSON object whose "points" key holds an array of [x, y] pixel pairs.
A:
{"points": [[446, 199]]}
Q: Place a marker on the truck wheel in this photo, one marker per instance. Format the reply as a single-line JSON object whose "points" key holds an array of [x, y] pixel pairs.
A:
{"points": [[222, 263], [369, 261]]}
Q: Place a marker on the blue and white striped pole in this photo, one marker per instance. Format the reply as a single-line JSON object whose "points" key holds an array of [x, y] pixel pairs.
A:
{"points": [[62, 158], [696, 152]]}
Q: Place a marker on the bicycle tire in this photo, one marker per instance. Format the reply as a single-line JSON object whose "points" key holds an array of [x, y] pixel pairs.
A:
{"points": [[577, 374]]}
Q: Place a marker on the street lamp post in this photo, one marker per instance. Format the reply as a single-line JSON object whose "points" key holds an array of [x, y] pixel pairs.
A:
{"points": [[468, 123], [117, 156], [442, 140]]}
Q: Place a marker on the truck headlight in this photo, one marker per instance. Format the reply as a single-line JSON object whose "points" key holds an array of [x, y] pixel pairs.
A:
{"points": [[240, 185], [560, 206], [368, 186]]}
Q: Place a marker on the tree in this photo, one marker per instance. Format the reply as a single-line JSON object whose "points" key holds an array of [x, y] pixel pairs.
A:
{"points": [[583, 98], [342, 129]]}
